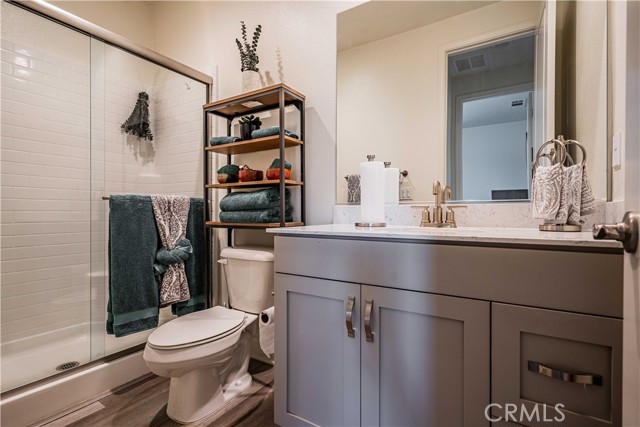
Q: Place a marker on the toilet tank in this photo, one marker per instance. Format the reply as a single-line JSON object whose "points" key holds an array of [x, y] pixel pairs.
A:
{"points": [[249, 275]]}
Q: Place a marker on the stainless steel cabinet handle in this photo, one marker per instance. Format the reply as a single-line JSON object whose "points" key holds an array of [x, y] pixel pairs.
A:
{"points": [[367, 320], [349, 319], [625, 231], [541, 369]]}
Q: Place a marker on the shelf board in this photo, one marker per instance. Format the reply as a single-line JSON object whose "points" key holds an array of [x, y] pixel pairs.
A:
{"points": [[268, 98], [217, 224], [253, 145], [256, 184]]}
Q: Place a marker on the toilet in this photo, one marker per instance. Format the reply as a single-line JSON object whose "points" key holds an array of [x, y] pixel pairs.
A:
{"points": [[206, 353]]}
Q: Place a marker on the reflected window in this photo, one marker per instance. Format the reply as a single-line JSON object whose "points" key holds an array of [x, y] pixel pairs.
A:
{"points": [[490, 119]]}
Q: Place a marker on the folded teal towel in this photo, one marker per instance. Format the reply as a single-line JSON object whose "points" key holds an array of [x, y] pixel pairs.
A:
{"points": [[133, 242], [219, 140], [270, 131], [261, 216], [165, 258], [276, 164], [253, 200], [194, 265]]}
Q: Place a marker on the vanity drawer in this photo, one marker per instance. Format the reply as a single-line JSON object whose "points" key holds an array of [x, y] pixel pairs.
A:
{"points": [[582, 353]]}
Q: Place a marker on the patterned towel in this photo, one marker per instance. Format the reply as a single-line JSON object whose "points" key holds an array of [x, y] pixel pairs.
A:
{"points": [[171, 214], [547, 191], [562, 195]]}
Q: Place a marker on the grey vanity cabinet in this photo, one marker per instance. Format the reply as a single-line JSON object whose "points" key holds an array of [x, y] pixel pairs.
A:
{"points": [[441, 331], [415, 359]]}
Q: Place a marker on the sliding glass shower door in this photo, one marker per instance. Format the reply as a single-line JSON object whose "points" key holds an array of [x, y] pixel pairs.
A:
{"points": [[64, 96]]}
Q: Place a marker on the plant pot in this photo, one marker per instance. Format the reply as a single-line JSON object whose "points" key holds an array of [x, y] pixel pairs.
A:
{"points": [[250, 81], [246, 129]]}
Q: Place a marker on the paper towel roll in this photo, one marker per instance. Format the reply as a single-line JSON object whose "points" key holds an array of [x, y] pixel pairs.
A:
{"points": [[391, 185], [372, 191], [267, 327]]}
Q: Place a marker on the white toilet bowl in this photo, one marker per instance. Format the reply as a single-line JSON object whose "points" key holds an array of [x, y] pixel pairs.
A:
{"points": [[206, 355]]}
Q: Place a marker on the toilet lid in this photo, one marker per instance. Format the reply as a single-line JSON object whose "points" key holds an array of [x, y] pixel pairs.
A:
{"points": [[193, 328]]}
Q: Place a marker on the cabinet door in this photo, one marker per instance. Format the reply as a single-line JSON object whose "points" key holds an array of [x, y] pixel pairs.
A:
{"points": [[317, 364], [428, 363], [543, 358]]}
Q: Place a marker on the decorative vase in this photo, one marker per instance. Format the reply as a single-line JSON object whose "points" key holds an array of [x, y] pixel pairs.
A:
{"points": [[250, 81], [247, 128]]}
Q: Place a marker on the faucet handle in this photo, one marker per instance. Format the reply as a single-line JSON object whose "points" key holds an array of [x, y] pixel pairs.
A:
{"points": [[450, 217]]}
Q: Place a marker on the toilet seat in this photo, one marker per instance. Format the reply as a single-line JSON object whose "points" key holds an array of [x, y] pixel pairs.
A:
{"points": [[197, 328]]}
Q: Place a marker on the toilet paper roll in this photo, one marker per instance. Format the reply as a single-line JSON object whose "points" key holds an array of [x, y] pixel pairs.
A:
{"points": [[267, 330]]}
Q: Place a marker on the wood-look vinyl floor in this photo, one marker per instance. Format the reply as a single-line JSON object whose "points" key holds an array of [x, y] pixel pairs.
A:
{"points": [[144, 404]]}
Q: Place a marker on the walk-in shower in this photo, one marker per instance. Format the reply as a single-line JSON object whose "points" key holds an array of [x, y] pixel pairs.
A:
{"points": [[65, 94]]}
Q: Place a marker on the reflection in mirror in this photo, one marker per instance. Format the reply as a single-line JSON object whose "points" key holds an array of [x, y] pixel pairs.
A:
{"points": [[392, 76], [490, 113]]}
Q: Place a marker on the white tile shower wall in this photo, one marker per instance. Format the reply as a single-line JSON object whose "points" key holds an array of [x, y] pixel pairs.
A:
{"points": [[45, 161]]}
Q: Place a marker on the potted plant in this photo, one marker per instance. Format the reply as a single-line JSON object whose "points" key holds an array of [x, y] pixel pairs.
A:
{"points": [[247, 125], [249, 59]]}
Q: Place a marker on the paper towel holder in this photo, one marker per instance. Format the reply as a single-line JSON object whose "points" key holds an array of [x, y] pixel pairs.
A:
{"points": [[370, 158]]}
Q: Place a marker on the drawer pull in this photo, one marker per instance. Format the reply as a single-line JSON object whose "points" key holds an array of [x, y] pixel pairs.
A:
{"points": [[349, 319], [541, 369], [367, 320]]}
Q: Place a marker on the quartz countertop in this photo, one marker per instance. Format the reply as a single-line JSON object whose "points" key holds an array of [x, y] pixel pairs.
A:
{"points": [[489, 235]]}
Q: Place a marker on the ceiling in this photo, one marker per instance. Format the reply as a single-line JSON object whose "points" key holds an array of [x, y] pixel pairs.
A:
{"points": [[376, 20]]}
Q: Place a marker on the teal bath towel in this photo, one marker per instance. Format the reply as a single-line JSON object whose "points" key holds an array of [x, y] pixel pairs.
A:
{"points": [[194, 265], [270, 131], [219, 140], [133, 242], [261, 216], [253, 200]]}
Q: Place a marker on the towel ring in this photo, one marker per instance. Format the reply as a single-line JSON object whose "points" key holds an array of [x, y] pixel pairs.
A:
{"points": [[557, 154], [582, 149]]}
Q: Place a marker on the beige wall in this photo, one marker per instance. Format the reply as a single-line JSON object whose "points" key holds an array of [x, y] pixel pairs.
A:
{"points": [[400, 79]]}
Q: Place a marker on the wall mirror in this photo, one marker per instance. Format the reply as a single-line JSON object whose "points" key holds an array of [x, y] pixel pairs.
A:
{"points": [[465, 92]]}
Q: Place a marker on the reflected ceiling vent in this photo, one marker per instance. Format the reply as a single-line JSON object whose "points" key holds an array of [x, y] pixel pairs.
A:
{"points": [[517, 103], [471, 63]]}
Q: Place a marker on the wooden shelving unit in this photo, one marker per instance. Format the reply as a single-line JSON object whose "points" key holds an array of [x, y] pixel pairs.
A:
{"points": [[254, 145], [256, 184], [275, 97]]}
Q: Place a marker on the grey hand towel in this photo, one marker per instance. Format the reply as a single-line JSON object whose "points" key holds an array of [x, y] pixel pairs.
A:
{"points": [[133, 241], [271, 131], [171, 214], [194, 265], [253, 200]]}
